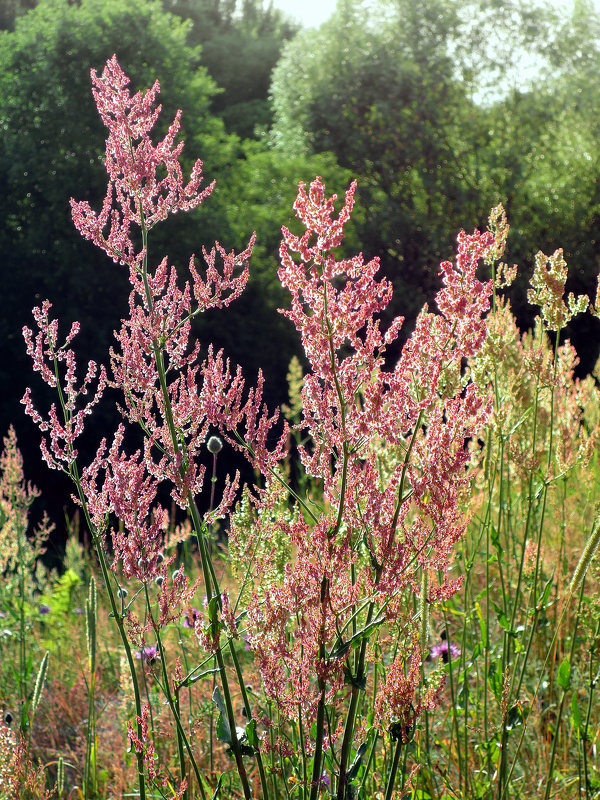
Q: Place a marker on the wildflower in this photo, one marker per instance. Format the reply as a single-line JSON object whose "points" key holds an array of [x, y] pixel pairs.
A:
{"points": [[78, 610], [350, 406], [445, 650], [189, 621], [548, 286], [400, 700], [148, 654], [44, 609]]}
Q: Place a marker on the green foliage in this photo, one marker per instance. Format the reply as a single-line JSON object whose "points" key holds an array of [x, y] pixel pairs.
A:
{"points": [[241, 43]]}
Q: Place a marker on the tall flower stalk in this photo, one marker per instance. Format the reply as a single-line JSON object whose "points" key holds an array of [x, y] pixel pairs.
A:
{"points": [[376, 532], [157, 371]]}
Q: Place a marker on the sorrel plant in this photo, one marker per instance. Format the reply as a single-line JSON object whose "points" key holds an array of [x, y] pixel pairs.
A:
{"points": [[321, 627]]}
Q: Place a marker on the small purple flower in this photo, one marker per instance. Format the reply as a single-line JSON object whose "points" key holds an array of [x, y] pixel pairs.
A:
{"points": [[442, 650], [325, 780], [78, 610], [44, 609], [2, 615], [190, 618], [148, 654]]}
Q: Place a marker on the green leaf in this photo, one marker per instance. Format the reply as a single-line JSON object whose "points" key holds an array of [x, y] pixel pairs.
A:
{"points": [[503, 620], [545, 594], [514, 718], [342, 647], [218, 787], [222, 730], [355, 766], [251, 734], [358, 681], [193, 678], [564, 674], [495, 539]]}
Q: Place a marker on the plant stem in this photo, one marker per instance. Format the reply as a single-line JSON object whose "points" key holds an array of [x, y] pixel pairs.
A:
{"points": [[392, 777]]}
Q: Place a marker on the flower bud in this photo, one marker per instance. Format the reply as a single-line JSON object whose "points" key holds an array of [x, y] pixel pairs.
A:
{"points": [[214, 445]]}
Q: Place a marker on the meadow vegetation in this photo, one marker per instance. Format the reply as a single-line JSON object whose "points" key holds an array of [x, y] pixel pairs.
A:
{"points": [[404, 604]]}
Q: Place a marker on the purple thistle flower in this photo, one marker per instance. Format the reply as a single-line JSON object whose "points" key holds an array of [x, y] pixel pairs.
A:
{"points": [[44, 609], [442, 650], [148, 654]]}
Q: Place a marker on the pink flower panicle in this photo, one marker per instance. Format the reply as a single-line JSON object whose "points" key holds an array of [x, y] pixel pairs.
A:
{"points": [[160, 312], [48, 357], [132, 161], [399, 703], [328, 319], [246, 425], [142, 742]]}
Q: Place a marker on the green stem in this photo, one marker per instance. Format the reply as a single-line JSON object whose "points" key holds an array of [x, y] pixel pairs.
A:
{"points": [[392, 777]]}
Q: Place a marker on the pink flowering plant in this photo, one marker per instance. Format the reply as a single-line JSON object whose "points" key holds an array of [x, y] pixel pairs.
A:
{"points": [[338, 634]]}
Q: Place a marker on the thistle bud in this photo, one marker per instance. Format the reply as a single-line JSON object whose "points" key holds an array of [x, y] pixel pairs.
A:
{"points": [[214, 445]]}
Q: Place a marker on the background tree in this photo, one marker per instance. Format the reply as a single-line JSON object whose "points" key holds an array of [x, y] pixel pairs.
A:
{"points": [[52, 149], [443, 109], [241, 43]]}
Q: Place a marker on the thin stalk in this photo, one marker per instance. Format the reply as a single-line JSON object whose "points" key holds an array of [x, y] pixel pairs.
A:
{"points": [[247, 707], [316, 771], [119, 618], [210, 579], [584, 736], [351, 717], [562, 702], [182, 740], [303, 749], [392, 776]]}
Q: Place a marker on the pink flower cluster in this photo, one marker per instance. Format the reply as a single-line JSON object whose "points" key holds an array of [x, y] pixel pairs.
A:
{"points": [[374, 532], [64, 425], [134, 193], [387, 446]]}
